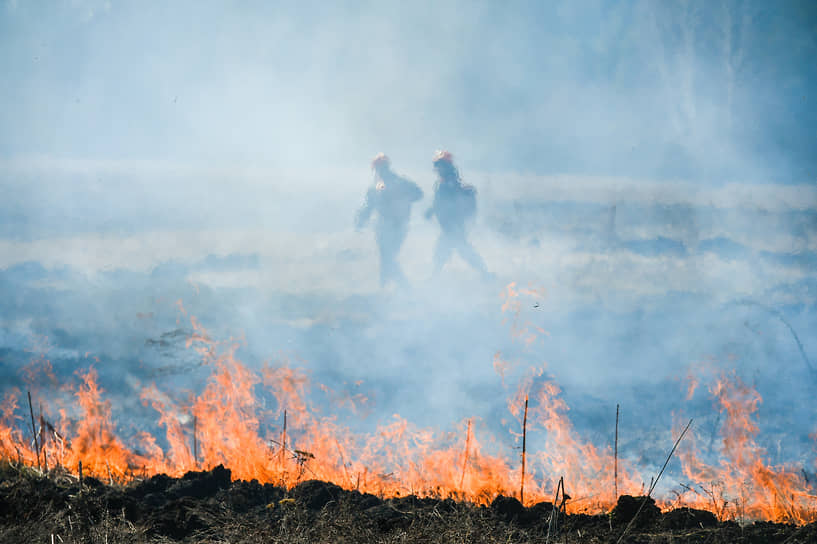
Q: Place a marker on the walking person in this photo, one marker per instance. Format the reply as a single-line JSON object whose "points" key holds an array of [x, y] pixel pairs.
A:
{"points": [[454, 206], [391, 197]]}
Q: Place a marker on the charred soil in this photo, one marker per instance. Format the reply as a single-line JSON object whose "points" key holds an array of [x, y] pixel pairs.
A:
{"points": [[208, 506]]}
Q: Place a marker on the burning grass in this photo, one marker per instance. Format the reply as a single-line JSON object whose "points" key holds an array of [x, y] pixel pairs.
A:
{"points": [[398, 459], [264, 426]]}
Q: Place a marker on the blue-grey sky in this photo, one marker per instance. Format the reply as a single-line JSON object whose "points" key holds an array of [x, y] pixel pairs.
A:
{"points": [[652, 166]]}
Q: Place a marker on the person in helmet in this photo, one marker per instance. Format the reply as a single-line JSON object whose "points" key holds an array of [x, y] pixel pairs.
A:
{"points": [[391, 197], [454, 206]]}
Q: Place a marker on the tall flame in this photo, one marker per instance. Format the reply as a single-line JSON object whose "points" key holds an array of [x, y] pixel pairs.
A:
{"points": [[743, 484]]}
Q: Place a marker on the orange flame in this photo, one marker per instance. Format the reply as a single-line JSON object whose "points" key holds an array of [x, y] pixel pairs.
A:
{"points": [[744, 485], [231, 424], [586, 469]]}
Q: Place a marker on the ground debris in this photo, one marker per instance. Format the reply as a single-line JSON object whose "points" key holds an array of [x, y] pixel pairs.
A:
{"points": [[206, 506]]}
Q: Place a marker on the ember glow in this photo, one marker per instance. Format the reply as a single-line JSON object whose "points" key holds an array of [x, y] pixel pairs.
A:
{"points": [[270, 426]]}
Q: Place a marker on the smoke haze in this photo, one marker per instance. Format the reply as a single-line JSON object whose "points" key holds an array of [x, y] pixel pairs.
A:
{"points": [[649, 169]]}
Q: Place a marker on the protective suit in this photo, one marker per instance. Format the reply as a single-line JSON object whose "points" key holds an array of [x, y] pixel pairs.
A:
{"points": [[391, 197], [454, 206]]}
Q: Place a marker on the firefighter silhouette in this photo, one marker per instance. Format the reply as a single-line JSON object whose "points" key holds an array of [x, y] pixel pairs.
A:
{"points": [[391, 197], [454, 206]]}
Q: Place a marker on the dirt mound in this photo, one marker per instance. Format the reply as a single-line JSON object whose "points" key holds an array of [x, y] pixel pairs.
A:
{"points": [[507, 508], [688, 518], [315, 494], [628, 507]]}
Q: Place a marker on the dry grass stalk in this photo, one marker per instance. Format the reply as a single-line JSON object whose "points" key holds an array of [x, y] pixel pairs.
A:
{"points": [[553, 521], [615, 465], [284, 438], [43, 435], [195, 445], [465, 455], [34, 430], [343, 462], [524, 444]]}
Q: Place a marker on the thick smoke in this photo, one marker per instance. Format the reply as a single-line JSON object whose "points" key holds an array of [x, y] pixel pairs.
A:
{"points": [[646, 170]]}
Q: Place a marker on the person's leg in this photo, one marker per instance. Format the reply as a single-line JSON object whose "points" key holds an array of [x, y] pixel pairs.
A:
{"points": [[385, 272], [391, 270], [442, 251], [470, 256], [398, 276], [389, 241]]}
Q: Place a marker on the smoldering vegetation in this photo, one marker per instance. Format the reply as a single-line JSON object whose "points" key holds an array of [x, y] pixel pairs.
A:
{"points": [[208, 507]]}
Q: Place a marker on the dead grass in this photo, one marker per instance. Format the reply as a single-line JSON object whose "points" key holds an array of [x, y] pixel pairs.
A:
{"points": [[35, 508]]}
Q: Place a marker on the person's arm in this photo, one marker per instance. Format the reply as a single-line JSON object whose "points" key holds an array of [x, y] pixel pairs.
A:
{"points": [[434, 204], [363, 214], [469, 201], [414, 191], [408, 190]]}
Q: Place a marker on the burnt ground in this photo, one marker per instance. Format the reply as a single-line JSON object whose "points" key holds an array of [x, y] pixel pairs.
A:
{"points": [[209, 507]]}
